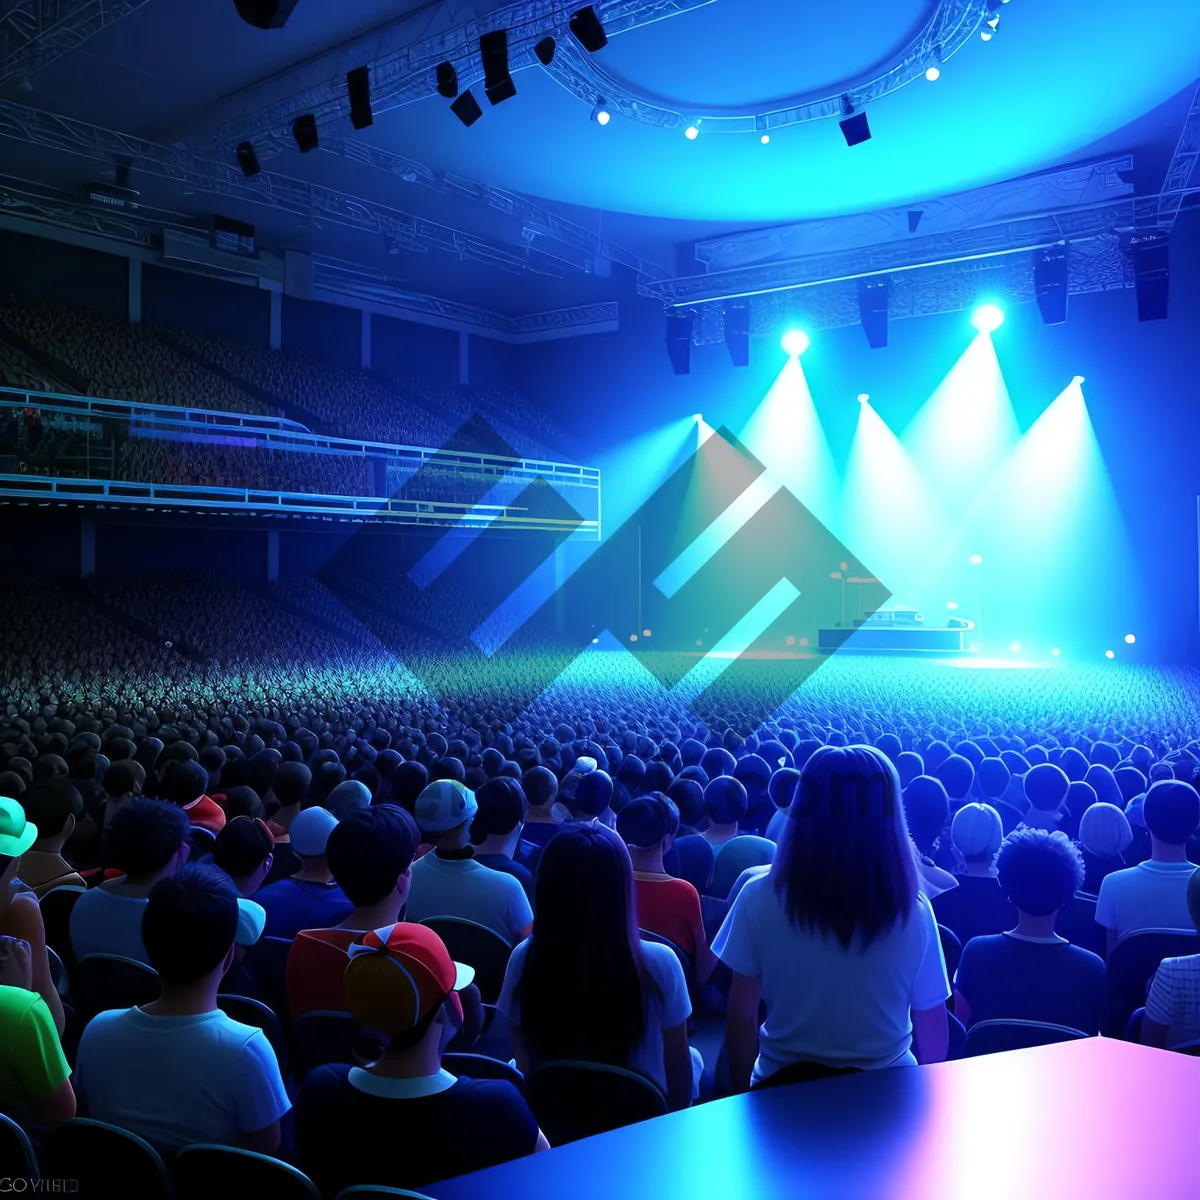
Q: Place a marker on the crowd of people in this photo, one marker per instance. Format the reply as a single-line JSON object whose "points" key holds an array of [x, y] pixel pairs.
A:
{"points": [[900, 854]]}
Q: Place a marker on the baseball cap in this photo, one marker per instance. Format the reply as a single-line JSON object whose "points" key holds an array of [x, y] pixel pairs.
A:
{"points": [[310, 831], [444, 805], [398, 975], [976, 830], [17, 833]]}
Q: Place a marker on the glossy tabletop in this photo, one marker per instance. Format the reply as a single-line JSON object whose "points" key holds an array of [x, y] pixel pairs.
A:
{"points": [[1089, 1119]]}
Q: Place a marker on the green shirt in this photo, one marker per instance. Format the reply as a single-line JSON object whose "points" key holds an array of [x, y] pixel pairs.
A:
{"points": [[32, 1063]]}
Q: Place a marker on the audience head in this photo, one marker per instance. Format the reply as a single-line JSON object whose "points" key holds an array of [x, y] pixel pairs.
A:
{"points": [[501, 809], [370, 853], [1171, 811], [1046, 786], [976, 833], [1104, 830], [926, 809], [648, 822], [1039, 870], [53, 806], [189, 925], [309, 833], [725, 800], [957, 775], [147, 838], [244, 850]]}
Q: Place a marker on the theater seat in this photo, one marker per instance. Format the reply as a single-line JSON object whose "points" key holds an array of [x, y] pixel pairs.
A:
{"points": [[321, 1037], [1132, 964], [478, 947], [18, 1159], [55, 907], [266, 964], [106, 1160], [951, 950], [993, 1037], [203, 1172], [103, 981], [371, 1191], [573, 1100], [482, 1066]]}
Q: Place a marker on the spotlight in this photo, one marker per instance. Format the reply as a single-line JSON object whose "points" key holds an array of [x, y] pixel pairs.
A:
{"points": [[1130, 639], [765, 139], [863, 398], [588, 30], [545, 50], [1109, 654], [358, 86], [873, 296], [1056, 652], [679, 340], [976, 560], [987, 317], [737, 332], [691, 132], [697, 417], [304, 130], [952, 605], [854, 125], [1078, 379], [990, 27], [248, 160], [1050, 284], [933, 74], [600, 113], [497, 79], [1015, 647], [265, 14], [447, 80], [466, 109], [1151, 273], [795, 342]]}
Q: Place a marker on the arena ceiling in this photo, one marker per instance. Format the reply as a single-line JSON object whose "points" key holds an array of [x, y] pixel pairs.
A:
{"points": [[1059, 80]]}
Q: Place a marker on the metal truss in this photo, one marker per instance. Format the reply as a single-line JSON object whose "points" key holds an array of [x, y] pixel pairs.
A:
{"points": [[948, 29], [33, 33], [1182, 167], [310, 202]]}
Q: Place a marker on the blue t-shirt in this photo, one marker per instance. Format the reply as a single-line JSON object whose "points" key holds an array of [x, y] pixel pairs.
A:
{"points": [[1004, 977], [353, 1127], [294, 904], [501, 862]]}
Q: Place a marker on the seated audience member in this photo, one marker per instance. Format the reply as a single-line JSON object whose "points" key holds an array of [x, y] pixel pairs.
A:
{"points": [[309, 899], [667, 906], [148, 841], [448, 882], [53, 807], [35, 1085], [978, 905], [496, 829], [184, 785], [1046, 792], [1153, 895], [369, 854], [401, 983], [927, 811], [1173, 1002], [122, 781], [586, 795], [288, 790], [838, 941], [541, 791], [585, 985], [1029, 973], [243, 850], [1104, 833], [781, 789], [178, 1070], [725, 804], [957, 774]]}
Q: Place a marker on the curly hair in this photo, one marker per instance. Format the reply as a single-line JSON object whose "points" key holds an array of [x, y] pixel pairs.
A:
{"points": [[1039, 870]]}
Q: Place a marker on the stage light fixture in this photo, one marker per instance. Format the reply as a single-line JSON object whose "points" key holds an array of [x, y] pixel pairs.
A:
{"points": [[1050, 284], [737, 332], [265, 14], [795, 342], [987, 318], [933, 74], [853, 125], [863, 398], [600, 113], [697, 417], [1015, 647], [692, 132], [466, 109], [976, 560], [588, 30], [1056, 651], [1130, 639], [1151, 273], [765, 139], [679, 340], [873, 296], [498, 83], [990, 28], [1109, 654], [952, 605], [447, 80], [358, 87], [1078, 379], [545, 50], [248, 160], [304, 130]]}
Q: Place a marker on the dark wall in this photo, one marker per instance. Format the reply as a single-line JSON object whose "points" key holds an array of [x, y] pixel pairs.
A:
{"points": [[493, 364], [403, 348], [65, 274], [231, 551], [320, 330], [178, 300]]}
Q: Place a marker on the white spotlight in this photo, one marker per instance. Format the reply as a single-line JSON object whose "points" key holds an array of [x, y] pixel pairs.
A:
{"points": [[1078, 379], [1130, 639], [976, 560], [863, 398], [1015, 647], [691, 132], [600, 113], [1055, 652], [697, 416], [765, 139], [1109, 654], [951, 605], [933, 74]]}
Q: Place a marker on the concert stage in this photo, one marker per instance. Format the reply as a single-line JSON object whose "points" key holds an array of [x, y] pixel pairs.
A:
{"points": [[873, 636], [1036, 1123]]}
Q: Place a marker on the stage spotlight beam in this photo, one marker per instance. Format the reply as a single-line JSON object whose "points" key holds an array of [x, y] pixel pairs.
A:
{"points": [[987, 318], [588, 30], [795, 342]]}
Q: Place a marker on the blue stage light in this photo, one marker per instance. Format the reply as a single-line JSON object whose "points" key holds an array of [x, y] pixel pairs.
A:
{"points": [[987, 317], [1130, 638], [795, 342], [1109, 654]]}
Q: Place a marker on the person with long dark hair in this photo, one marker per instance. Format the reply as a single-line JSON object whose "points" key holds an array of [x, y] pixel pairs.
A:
{"points": [[584, 985], [837, 940]]}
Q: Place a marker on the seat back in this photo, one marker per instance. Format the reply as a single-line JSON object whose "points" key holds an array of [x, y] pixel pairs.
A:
{"points": [[1132, 965], [321, 1037], [202, 842], [696, 861], [951, 949], [1192, 1048], [103, 981], [56, 906], [745, 850], [18, 1159], [95, 1154], [689, 968], [204, 1171], [254, 1012], [991, 1037], [373, 1191], [481, 1066], [573, 1100], [1076, 921], [266, 964], [477, 946], [958, 1037]]}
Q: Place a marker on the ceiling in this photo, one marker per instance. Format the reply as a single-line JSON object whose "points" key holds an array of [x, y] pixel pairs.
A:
{"points": [[1061, 79]]}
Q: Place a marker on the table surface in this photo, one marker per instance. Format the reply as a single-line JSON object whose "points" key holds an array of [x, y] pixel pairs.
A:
{"points": [[1087, 1119]]}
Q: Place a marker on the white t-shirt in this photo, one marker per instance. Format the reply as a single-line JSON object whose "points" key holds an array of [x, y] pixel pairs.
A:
{"points": [[825, 1004], [1152, 895], [462, 887], [666, 1010], [179, 1080]]}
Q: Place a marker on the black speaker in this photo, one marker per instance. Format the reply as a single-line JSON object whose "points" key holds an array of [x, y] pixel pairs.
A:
{"points": [[545, 50], [304, 130], [855, 129], [497, 81], [1151, 273], [265, 14], [466, 109], [679, 340], [447, 80], [248, 160], [873, 310], [737, 333], [586, 27], [358, 88], [1050, 284]]}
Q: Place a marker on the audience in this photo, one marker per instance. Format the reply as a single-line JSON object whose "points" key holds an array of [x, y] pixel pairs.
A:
{"points": [[1104, 835], [585, 985], [978, 904], [178, 1070], [1029, 973], [52, 807], [496, 829], [311, 898], [1173, 1003], [244, 850], [837, 941], [401, 984]]}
